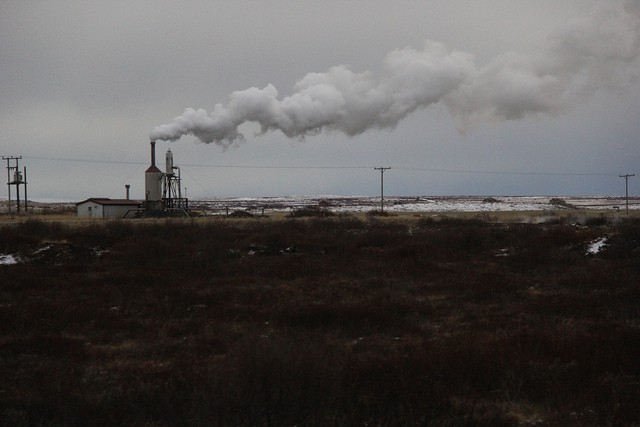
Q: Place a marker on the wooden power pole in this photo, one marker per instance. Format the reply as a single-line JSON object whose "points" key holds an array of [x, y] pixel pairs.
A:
{"points": [[626, 188], [381, 169]]}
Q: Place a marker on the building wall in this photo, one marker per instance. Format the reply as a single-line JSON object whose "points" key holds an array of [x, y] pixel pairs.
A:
{"points": [[111, 211], [90, 210]]}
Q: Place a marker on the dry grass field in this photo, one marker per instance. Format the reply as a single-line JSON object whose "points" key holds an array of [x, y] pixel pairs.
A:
{"points": [[348, 320]]}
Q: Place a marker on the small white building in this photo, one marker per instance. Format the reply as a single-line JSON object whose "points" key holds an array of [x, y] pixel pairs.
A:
{"points": [[107, 208]]}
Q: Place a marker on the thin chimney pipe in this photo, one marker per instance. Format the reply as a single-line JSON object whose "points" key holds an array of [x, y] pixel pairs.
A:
{"points": [[153, 153]]}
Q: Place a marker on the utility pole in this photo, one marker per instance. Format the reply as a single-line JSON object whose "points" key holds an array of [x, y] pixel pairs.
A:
{"points": [[381, 169], [626, 188], [18, 179], [24, 177]]}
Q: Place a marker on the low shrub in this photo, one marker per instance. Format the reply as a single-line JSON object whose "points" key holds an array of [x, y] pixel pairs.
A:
{"points": [[310, 211], [320, 321]]}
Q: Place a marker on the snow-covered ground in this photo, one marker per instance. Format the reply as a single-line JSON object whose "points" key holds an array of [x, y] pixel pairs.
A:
{"points": [[415, 204], [396, 204]]}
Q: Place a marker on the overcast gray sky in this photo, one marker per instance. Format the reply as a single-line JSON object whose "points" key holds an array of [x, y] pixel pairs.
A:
{"points": [[458, 97]]}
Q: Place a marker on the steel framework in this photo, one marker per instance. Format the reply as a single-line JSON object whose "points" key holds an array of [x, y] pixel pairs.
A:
{"points": [[17, 178], [171, 193]]}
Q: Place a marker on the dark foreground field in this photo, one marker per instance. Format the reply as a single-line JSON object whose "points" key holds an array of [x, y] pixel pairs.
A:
{"points": [[319, 322]]}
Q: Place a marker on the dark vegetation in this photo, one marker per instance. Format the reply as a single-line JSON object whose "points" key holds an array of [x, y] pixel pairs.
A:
{"points": [[319, 321]]}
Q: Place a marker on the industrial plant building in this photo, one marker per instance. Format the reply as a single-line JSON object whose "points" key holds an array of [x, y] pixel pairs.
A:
{"points": [[107, 208], [163, 195]]}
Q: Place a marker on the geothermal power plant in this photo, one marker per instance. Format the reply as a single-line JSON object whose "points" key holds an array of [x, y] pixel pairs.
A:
{"points": [[162, 195], [162, 189]]}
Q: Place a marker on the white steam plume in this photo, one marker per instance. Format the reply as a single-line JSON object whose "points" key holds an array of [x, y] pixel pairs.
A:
{"points": [[598, 52]]}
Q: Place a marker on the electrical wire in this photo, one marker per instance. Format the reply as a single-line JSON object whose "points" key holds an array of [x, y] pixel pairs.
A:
{"points": [[67, 159], [470, 171], [310, 167]]}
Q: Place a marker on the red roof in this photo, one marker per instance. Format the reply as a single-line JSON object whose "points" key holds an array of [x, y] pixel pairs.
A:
{"points": [[105, 201]]}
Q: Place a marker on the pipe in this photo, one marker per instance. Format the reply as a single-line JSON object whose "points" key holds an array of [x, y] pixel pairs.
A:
{"points": [[153, 153]]}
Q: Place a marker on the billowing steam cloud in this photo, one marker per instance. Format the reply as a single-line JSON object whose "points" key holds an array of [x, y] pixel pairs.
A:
{"points": [[598, 52]]}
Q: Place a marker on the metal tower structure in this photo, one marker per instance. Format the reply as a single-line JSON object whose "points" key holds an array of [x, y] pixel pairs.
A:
{"points": [[17, 178], [171, 187]]}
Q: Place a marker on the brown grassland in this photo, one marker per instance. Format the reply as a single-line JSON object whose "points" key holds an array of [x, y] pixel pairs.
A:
{"points": [[336, 321]]}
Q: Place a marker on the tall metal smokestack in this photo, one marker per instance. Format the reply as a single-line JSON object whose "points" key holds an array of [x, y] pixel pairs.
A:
{"points": [[153, 183], [153, 153], [127, 187]]}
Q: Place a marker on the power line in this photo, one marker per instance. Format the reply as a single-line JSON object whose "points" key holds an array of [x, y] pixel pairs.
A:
{"points": [[279, 167], [196, 165], [314, 167], [485, 172], [68, 159]]}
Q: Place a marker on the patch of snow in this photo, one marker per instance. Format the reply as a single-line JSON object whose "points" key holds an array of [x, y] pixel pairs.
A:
{"points": [[502, 252], [597, 245], [400, 204], [43, 249], [98, 252], [9, 259]]}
